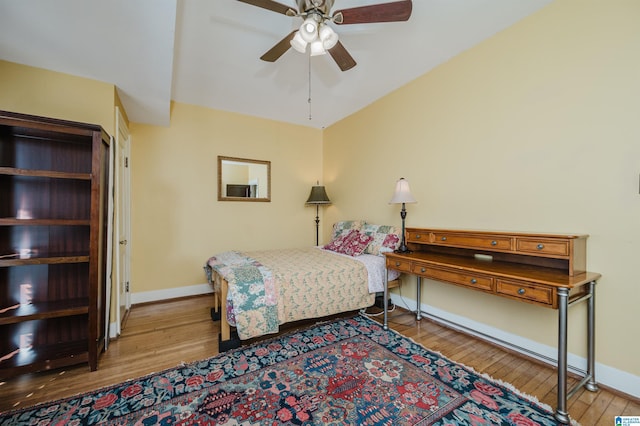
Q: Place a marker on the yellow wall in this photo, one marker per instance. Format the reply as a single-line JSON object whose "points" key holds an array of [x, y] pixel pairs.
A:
{"points": [[36, 91], [536, 129], [178, 221]]}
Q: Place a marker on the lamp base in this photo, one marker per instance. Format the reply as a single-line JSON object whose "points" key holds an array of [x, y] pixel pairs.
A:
{"points": [[403, 243]]}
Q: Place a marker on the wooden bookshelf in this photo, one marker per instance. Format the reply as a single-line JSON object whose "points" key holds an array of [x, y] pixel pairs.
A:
{"points": [[53, 232]]}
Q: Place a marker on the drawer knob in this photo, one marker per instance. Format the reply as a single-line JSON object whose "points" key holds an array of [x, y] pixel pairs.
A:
{"points": [[494, 243], [540, 246], [423, 269], [418, 236], [397, 263], [521, 291], [444, 238], [473, 281]]}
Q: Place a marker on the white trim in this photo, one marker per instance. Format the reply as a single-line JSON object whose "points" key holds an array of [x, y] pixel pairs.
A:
{"points": [[170, 293], [606, 375], [113, 330], [122, 183], [110, 222], [159, 295]]}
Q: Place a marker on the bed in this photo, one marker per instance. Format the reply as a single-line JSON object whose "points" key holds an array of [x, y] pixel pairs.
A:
{"points": [[255, 292]]}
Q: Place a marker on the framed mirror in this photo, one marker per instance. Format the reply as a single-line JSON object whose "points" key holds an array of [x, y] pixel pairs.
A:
{"points": [[241, 179]]}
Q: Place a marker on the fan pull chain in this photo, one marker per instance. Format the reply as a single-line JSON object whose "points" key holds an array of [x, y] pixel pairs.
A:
{"points": [[309, 100]]}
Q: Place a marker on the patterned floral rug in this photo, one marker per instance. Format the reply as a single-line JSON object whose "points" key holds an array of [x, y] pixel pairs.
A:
{"points": [[346, 372]]}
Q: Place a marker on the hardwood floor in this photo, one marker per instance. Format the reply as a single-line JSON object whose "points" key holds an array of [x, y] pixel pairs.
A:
{"points": [[163, 335]]}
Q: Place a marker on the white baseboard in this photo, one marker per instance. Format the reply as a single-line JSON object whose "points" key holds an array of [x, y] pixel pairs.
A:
{"points": [[158, 295], [113, 330], [606, 375], [170, 293]]}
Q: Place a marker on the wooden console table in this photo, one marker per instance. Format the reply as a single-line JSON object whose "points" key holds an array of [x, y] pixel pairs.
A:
{"points": [[543, 269]]}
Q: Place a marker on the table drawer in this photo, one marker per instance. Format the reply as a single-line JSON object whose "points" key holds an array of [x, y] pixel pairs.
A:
{"points": [[399, 265], [525, 291], [481, 242], [551, 247], [480, 282], [418, 237]]}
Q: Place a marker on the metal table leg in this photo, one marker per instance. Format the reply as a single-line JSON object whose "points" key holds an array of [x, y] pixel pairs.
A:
{"points": [[385, 324], [563, 304], [418, 297], [591, 339], [589, 380]]}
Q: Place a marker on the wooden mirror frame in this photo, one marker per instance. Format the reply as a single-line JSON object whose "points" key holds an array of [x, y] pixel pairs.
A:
{"points": [[222, 194]]}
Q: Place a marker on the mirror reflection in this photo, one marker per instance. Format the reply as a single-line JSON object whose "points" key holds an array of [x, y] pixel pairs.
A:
{"points": [[242, 179]]}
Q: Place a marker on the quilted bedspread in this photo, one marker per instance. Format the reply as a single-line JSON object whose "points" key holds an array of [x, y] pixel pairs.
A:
{"points": [[308, 282], [252, 293]]}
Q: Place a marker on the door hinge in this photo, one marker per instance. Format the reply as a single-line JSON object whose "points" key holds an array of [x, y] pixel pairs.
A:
{"points": [[126, 161], [127, 286]]}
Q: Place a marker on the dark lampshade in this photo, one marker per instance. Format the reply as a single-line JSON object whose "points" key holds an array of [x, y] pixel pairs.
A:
{"points": [[318, 195]]}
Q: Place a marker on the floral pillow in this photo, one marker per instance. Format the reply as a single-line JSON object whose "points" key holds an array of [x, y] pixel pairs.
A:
{"points": [[385, 238], [353, 243], [340, 228], [336, 243]]}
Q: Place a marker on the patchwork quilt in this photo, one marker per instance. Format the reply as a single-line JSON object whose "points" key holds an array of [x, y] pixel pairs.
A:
{"points": [[272, 287]]}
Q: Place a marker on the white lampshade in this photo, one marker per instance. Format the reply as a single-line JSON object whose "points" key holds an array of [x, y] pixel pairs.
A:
{"points": [[328, 36], [317, 48], [309, 29], [402, 193], [298, 43]]}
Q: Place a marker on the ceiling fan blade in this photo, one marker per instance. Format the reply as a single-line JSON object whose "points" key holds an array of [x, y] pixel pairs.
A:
{"points": [[384, 12], [342, 57], [279, 49], [273, 6]]}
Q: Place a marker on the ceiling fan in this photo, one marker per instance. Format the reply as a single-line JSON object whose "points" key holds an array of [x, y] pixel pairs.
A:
{"points": [[318, 35]]}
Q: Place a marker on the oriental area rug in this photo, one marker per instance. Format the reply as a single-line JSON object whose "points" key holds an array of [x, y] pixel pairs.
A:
{"points": [[345, 372]]}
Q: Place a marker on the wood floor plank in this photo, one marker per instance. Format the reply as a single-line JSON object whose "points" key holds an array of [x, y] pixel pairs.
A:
{"points": [[615, 408], [632, 409], [595, 405], [163, 335]]}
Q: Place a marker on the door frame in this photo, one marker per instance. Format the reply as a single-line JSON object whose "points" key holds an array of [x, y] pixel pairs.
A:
{"points": [[122, 219], [110, 237]]}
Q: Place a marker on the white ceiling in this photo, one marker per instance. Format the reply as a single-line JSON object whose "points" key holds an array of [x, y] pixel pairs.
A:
{"points": [[206, 52]]}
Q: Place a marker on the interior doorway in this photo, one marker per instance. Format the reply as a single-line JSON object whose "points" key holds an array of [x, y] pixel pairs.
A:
{"points": [[122, 221]]}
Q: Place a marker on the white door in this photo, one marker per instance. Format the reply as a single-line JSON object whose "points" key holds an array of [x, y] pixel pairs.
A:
{"points": [[123, 219], [110, 236]]}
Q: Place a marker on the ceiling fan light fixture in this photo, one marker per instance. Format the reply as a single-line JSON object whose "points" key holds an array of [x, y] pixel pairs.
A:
{"points": [[317, 48], [298, 43], [309, 29], [316, 14], [328, 36]]}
